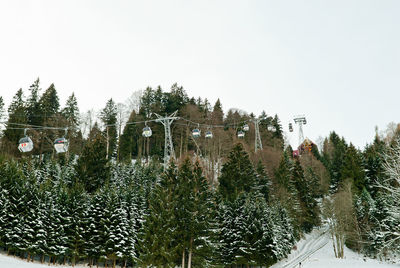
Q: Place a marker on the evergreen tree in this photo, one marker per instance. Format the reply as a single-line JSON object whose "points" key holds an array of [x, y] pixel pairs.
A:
{"points": [[118, 229], [16, 117], [353, 169], [93, 237], [71, 112], [309, 206], [176, 99], [202, 221], [92, 167], [217, 113], [128, 142], [283, 174], [263, 181], [77, 210], [278, 128], [109, 118], [373, 164], [238, 175], [33, 108], [333, 158], [49, 103], [229, 234], [157, 243]]}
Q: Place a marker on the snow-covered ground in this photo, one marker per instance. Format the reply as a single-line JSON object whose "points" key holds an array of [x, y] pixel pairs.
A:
{"points": [[316, 251], [14, 262]]}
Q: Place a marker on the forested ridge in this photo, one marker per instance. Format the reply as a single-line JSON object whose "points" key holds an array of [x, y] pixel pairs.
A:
{"points": [[110, 201]]}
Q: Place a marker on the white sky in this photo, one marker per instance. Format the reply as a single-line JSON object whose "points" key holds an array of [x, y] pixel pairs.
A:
{"points": [[337, 62]]}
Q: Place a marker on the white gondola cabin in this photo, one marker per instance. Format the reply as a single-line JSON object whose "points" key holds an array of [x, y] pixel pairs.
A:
{"points": [[196, 133], [25, 144], [147, 132], [61, 145], [240, 134], [246, 127], [209, 135], [271, 128]]}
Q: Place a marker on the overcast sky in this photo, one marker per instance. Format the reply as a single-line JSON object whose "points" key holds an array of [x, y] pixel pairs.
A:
{"points": [[337, 62]]}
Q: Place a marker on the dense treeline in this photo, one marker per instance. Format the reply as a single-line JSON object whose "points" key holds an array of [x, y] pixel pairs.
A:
{"points": [[108, 201], [125, 141], [139, 218], [361, 209], [46, 214]]}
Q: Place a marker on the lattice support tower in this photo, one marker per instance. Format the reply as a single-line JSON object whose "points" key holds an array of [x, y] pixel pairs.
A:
{"points": [[258, 143], [300, 120], [168, 145]]}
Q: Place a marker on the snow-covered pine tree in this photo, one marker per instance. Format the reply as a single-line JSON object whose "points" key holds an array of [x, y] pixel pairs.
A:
{"points": [[77, 208], [157, 242], [92, 222], [263, 181], [238, 175], [116, 242], [309, 216]]}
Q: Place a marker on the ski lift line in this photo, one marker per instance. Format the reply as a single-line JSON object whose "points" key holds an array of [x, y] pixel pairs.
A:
{"points": [[31, 126], [37, 127], [215, 126], [19, 128]]}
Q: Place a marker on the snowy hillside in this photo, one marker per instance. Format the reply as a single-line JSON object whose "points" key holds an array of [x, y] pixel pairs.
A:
{"points": [[316, 251]]}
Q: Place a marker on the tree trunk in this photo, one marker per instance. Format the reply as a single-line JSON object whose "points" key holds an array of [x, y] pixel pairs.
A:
{"points": [[333, 244], [190, 253], [108, 144], [29, 256], [183, 259], [114, 261], [180, 147], [42, 259]]}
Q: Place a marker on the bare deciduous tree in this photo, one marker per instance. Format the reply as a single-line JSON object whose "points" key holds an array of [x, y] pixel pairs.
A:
{"points": [[339, 213], [389, 228]]}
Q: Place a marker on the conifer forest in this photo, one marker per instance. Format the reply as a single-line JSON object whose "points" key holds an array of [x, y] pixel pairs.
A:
{"points": [[204, 188]]}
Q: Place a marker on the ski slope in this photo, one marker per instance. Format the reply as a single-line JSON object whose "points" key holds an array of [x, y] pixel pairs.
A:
{"points": [[316, 251]]}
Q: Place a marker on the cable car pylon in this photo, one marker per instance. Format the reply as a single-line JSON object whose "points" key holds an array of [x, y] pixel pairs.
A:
{"points": [[168, 146], [258, 143], [300, 120]]}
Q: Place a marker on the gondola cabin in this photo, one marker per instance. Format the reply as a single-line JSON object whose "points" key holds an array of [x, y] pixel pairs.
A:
{"points": [[146, 132], [196, 133], [246, 127], [209, 135], [271, 128], [25, 145], [290, 127], [240, 134], [61, 145]]}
